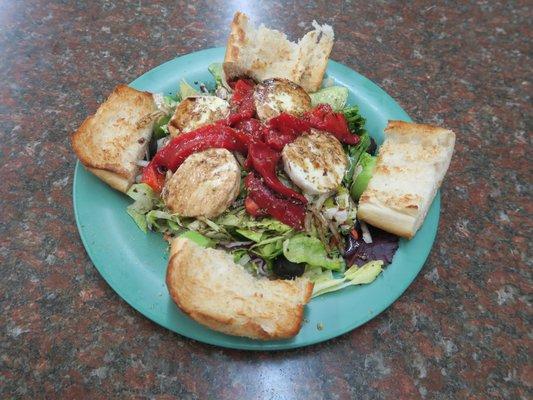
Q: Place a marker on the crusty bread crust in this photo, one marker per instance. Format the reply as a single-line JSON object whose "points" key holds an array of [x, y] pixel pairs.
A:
{"points": [[112, 179], [263, 53], [315, 48], [209, 287], [110, 142], [236, 38], [410, 168]]}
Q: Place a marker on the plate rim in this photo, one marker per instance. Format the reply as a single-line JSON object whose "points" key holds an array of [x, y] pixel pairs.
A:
{"points": [[255, 345]]}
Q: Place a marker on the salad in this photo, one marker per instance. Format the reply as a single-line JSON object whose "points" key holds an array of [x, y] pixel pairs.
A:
{"points": [[285, 220]]}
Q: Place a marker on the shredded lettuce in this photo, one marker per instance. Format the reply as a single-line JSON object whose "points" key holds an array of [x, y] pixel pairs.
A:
{"points": [[145, 198], [340, 210], [148, 211], [306, 249], [163, 221], [271, 250], [241, 220], [271, 247], [335, 96], [144, 201]]}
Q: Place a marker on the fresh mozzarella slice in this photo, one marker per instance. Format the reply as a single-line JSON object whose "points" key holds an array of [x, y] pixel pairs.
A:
{"points": [[194, 112], [315, 162], [206, 184], [274, 96]]}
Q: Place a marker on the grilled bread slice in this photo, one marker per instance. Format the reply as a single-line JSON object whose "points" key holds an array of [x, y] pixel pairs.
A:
{"points": [[410, 167], [218, 293], [264, 53], [110, 142]]}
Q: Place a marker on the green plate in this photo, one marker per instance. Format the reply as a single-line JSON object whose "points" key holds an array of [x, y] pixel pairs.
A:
{"points": [[134, 263]]}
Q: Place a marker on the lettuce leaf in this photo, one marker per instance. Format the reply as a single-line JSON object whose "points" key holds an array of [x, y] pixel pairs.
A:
{"points": [[335, 96], [355, 120], [145, 199], [271, 247], [242, 220], [187, 90], [354, 153], [383, 247], [326, 282], [138, 218], [216, 70], [250, 234], [197, 238], [310, 250], [362, 173]]}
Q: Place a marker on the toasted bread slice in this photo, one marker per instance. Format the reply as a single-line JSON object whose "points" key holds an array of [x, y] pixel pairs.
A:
{"points": [[216, 292], [110, 142], [315, 48], [263, 53], [410, 168]]}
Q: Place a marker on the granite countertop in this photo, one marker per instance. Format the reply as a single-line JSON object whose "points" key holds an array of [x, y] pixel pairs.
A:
{"points": [[460, 331]]}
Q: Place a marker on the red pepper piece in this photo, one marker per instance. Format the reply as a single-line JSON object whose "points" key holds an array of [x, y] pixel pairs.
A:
{"points": [[283, 129], [252, 127], [182, 146], [209, 136], [252, 208], [242, 102], [290, 124], [264, 160], [276, 140], [283, 210], [153, 178], [241, 89], [322, 117]]}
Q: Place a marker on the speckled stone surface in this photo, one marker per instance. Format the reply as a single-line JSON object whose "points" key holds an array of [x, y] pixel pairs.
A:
{"points": [[463, 328]]}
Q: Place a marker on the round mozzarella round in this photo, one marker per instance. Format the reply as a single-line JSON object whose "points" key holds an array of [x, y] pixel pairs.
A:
{"points": [[274, 96], [206, 184], [315, 162], [194, 112]]}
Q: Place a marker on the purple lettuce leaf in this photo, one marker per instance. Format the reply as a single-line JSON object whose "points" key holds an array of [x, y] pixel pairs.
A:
{"points": [[383, 247]]}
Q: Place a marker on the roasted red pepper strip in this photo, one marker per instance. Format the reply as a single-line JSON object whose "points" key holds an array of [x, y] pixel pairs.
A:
{"points": [[323, 118], [153, 178], [242, 101], [252, 127], [252, 208], [283, 129], [283, 210], [178, 149], [264, 160]]}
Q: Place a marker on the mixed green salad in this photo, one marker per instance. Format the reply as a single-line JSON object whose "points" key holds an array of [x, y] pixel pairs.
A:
{"points": [[265, 246]]}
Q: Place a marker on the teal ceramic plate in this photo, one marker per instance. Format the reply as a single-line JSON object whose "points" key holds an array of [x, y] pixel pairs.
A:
{"points": [[134, 263]]}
